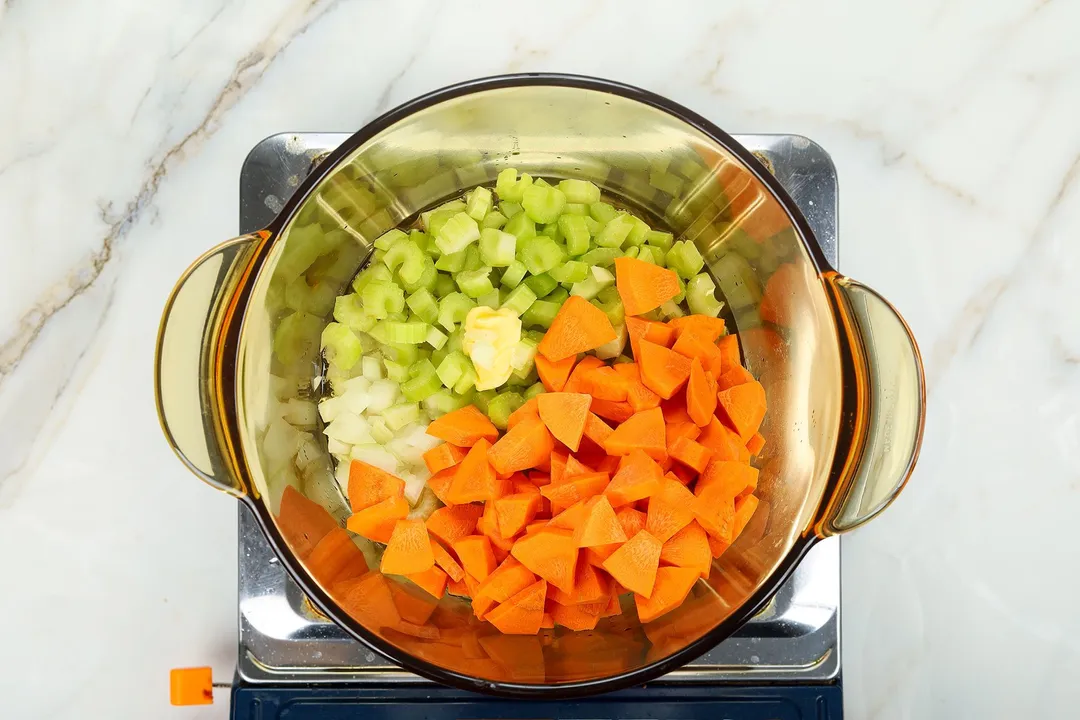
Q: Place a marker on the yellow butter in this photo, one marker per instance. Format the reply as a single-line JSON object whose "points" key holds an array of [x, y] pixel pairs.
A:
{"points": [[489, 340]]}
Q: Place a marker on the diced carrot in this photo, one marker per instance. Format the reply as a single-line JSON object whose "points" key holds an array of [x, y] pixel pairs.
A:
{"points": [[672, 586], [521, 614], [578, 617], [377, 522], [510, 578], [644, 286], [303, 521], [700, 395], [433, 580], [755, 444], [575, 468], [516, 511], [554, 374], [369, 599], [440, 484], [463, 427], [409, 549], [548, 622], [662, 370], [446, 561], [634, 564], [599, 525], [744, 510], [578, 327], [677, 430], [369, 485], [521, 448], [694, 347], [670, 510], [726, 479], [474, 478], [717, 547], [442, 457], [476, 557], [576, 383], [558, 467], [644, 431], [565, 415], [526, 411], [705, 327], [336, 558], [452, 523], [632, 522], [724, 443], [613, 607], [609, 465], [570, 518], [457, 587], [638, 477], [732, 376], [574, 490], [637, 395], [683, 474], [590, 585], [742, 407], [691, 454], [655, 332], [615, 411], [688, 548], [714, 512], [596, 429], [729, 351], [606, 384], [550, 553]]}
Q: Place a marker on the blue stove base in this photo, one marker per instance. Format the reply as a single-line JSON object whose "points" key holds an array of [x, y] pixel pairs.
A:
{"points": [[338, 702]]}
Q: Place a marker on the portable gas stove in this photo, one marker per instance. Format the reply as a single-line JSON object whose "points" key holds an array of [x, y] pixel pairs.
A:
{"points": [[293, 662]]}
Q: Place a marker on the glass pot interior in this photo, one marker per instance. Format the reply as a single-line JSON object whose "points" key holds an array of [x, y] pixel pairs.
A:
{"points": [[674, 175]]}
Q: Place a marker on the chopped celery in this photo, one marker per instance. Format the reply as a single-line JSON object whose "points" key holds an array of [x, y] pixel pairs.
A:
{"points": [[439, 354], [543, 204], [541, 254], [510, 209], [541, 284], [401, 353], [576, 234], [602, 212], [388, 238], [408, 256], [598, 279], [475, 283], [500, 407], [466, 382], [616, 230], [478, 203], [435, 338], [613, 309], [491, 299], [646, 254], [558, 295], [593, 226], [456, 340], [511, 187], [608, 294], [377, 272], [423, 382], [521, 227], [534, 390], [349, 310], [422, 302], [451, 262], [631, 252], [514, 274], [400, 333], [540, 314], [552, 231], [580, 191], [442, 402], [685, 259], [457, 234], [424, 242], [571, 271], [482, 398], [395, 371], [541, 182], [682, 291], [452, 367], [444, 285], [473, 261], [638, 232], [453, 308], [382, 298], [371, 368], [600, 257], [426, 279], [523, 357], [493, 219], [700, 296], [399, 416], [438, 219], [497, 248], [659, 239], [519, 299], [341, 346], [671, 309]]}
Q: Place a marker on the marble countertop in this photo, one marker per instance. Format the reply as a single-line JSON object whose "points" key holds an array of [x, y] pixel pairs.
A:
{"points": [[954, 127]]}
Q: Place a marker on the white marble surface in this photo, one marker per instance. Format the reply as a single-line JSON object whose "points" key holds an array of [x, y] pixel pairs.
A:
{"points": [[954, 124]]}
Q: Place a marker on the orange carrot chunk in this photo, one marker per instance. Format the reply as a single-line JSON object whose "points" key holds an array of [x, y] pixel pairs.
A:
{"points": [[705, 327], [638, 330], [726, 479], [755, 444], [369, 485], [670, 510], [732, 376], [672, 586], [637, 395], [551, 553], [578, 617], [638, 478], [571, 517], [578, 327], [574, 490], [565, 415], [463, 427], [596, 429], [605, 384], [644, 286], [694, 347], [729, 351], [516, 511], [452, 523], [700, 395], [725, 444], [409, 549], [576, 383], [369, 599], [574, 468], [377, 522], [476, 556], [691, 454], [446, 561], [527, 411], [336, 558], [742, 407], [662, 370], [440, 484], [523, 447], [433, 581], [523, 613], [688, 548], [442, 457], [644, 431], [634, 564], [590, 585], [599, 526], [507, 580], [615, 411], [554, 374], [632, 522], [744, 510], [474, 479]]}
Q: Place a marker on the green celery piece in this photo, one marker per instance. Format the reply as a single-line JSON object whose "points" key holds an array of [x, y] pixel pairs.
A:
{"points": [[638, 232], [382, 298], [510, 209], [571, 271], [541, 284], [682, 290], [439, 403], [615, 232], [482, 398], [521, 227], [448, 210], [511, 187], [373, 273], [340, 346], [396, 371], [388, 238], [423, 382], [576, 233], [457, 234], [645, 254], [452, 309], [398, 416], [609, 294], [593, 226], [523, 358], [541, 182], [552, 231], [475, 283], [408, 256], [466, 382], [400, 333], [438, 354], [602, 212], [580, 191], [540, 314], [451, 262], [422, 302], [425, 242], [500, 407], [631, 252], [670, 310], [600, 257], [659, 239], [613, 310], [684, 258], [543, 204], [700, 296], [513, 274], [493, 219], [534, 390], [435, 338], [535, 335], [576, 209], [541, 254], [438, 218], [457, 340], [497, 248], [519, 300], [349, 310], [490, 300], [478, 203], [444, 285], [473, 261], [590, 287], [425, 280], [452, 367], [558, 295]]}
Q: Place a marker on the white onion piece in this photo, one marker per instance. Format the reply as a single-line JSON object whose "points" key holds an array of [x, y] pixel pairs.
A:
{"points": [[350, 428], [613, 349], [302, 413], [376, 456]]}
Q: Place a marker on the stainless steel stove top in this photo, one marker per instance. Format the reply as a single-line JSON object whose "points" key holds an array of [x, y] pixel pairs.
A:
{"points": [[283, 639]]}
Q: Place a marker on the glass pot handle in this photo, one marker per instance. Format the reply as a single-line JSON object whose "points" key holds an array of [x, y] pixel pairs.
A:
{"points": [[189, 346], [887, 425]]}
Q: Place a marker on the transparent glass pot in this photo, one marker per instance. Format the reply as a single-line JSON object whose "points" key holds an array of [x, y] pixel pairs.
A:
{"points": [[840, 368]]}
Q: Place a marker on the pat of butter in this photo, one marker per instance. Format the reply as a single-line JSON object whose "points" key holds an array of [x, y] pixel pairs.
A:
{"points": [[489, 341]]}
